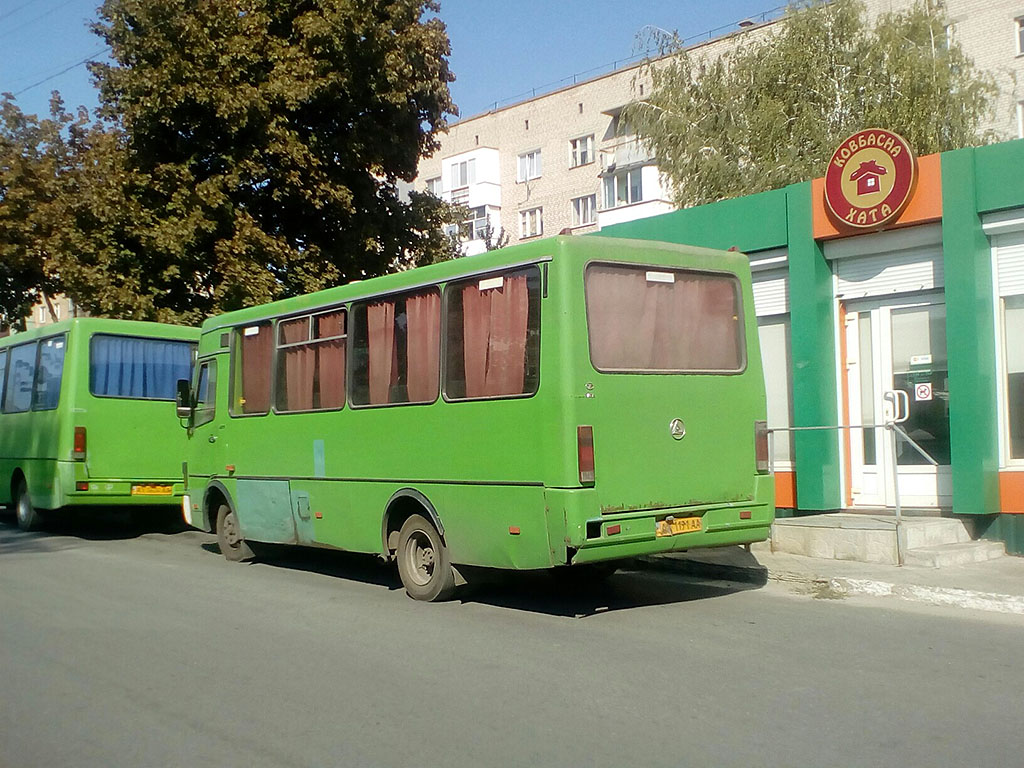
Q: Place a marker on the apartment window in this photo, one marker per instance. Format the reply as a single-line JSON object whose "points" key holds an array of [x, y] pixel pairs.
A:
{"points": [[1020, 35], [529, 166], [623, 188], [1020, 119], [463, 174], [581, 151], [584, 210], [475, 227], [434, 186], [531, 223]]}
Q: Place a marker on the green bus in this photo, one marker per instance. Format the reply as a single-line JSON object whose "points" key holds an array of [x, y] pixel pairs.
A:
{"points": [[573, 401], [84, 415]]}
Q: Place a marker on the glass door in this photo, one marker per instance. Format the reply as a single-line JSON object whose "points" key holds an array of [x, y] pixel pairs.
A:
{"points": [[898, 346]]}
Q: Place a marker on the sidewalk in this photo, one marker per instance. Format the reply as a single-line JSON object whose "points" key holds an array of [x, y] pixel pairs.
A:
{"points": [[995, 585]]}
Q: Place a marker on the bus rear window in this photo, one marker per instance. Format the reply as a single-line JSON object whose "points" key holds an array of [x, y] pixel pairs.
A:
{"points": [[653, 319], [137, 369]]}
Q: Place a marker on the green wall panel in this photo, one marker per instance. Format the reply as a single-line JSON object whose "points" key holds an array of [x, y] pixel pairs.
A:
{"points": [[753, 223], [1000, 173], [970, 340], [812, 328]]}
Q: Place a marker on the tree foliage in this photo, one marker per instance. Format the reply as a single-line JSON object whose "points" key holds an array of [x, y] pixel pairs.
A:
{"points": [[35, 159], [771, 112], [248, 151]]}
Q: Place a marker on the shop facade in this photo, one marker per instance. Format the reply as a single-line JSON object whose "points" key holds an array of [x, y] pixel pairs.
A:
{"points": [[913, 307]]}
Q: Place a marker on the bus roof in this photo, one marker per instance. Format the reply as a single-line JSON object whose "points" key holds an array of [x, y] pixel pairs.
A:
{"points": [[105, 325], [549, 249]]}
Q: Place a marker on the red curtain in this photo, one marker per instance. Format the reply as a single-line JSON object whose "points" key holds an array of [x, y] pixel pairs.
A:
{"points": [[618, 318], [495, 324], [331, 359], [380, 325], [257, 353], [299, 366], [423, 313]]}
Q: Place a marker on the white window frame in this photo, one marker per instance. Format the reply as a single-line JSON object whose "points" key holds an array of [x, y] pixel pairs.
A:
{"points": [[1019, 29], [1020, 119], [613, 202], [434, 186], [581, 154], [463, 173], [583, 214], [528, 166], [531, 223]]}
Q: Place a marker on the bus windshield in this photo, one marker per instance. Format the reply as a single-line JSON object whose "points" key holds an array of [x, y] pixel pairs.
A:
{"points": [[137, 368], [644, 319]]}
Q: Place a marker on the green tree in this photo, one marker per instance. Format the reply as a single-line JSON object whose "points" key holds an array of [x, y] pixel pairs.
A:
{"points": [[772, 111], [35, 158], [254, 150]]}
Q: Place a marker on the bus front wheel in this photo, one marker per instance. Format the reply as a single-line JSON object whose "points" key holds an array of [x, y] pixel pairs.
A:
{"points": [[423, 562], [29, 518], [229, 536]]}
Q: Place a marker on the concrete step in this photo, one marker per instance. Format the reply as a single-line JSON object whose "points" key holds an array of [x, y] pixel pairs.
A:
{"points": [[862, 538], [955, 554]]}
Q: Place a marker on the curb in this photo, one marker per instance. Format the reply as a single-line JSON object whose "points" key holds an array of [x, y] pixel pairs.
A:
{"points": [[839, 587]]}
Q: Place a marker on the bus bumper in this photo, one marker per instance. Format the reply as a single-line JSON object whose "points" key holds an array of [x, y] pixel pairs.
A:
{"points": [[76, 489], [592, 537]]}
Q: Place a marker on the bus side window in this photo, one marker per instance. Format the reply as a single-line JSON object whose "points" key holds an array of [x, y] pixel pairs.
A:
{"points": [[206, 394], [251, 358], [396, 349], [22, 363], [48, 374], [493, 336], [3, 372]]}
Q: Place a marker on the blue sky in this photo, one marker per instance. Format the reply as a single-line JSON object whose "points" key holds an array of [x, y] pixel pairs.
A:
{"points": [[501, 51]]}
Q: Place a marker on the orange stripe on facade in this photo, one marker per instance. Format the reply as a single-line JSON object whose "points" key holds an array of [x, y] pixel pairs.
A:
{"points": [[924, 206], [785, 490], [1011, 492]]}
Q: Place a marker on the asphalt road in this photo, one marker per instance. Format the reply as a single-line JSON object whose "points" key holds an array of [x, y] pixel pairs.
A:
{"points": [[120, 648]]}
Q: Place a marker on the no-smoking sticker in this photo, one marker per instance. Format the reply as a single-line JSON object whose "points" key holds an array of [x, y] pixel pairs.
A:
{"points": [[922, 392]]}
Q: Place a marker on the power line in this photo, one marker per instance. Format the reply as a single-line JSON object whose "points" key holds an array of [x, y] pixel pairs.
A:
{"points": [[15, 9], [34, 19], [47, 79]]}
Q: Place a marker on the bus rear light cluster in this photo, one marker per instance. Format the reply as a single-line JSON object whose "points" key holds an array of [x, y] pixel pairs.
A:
{"points": [[585, 454], [78, 448], [761, 445], [81, 486]]}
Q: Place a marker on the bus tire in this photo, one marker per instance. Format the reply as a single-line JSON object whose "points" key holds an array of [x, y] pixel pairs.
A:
{"points": [[423, 561], [229, 536], [28, 517]]}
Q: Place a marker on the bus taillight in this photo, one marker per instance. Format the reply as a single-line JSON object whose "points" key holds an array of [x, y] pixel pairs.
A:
{"points": [[78, 450], [761, 445], [585, 454]]}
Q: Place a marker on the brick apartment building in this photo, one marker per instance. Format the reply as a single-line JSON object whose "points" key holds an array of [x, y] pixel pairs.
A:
{"points": [[562, 161]]}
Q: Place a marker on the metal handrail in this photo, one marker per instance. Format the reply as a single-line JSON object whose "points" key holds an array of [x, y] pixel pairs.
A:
{"points": [[892, 426]]}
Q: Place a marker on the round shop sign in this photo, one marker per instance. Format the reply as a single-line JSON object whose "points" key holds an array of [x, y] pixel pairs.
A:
{"points": [[870, 179]]}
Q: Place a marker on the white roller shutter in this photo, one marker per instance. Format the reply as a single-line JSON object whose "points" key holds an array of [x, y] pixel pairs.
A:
{"points": [[1006, 231], [771, 292], [770, 275], [889, 262]]}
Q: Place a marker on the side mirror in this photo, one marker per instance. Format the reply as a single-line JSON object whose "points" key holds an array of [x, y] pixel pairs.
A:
{"points": [[183, 401]]}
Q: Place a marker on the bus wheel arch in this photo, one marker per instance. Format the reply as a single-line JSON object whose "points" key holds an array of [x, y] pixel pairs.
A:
{"points": [[215, 495], [401, 506]]}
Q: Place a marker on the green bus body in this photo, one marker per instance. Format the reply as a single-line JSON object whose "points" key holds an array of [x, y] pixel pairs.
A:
{"points": [[499, 477], [133, 447]]}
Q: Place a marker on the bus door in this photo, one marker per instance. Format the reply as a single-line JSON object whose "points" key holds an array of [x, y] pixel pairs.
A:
{"points": [[206, 447]]}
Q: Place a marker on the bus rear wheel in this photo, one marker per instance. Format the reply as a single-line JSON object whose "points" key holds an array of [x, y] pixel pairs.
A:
{"points": [[229, 536], [423, 562], [29, 518]]}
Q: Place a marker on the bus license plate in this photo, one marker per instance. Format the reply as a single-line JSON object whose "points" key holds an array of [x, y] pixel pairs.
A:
{"points": [[678, 525], [151, 490]]}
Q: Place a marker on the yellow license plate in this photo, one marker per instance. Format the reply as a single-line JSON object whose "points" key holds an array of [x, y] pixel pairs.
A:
{"points": [[152, 490], [678, 525]]}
